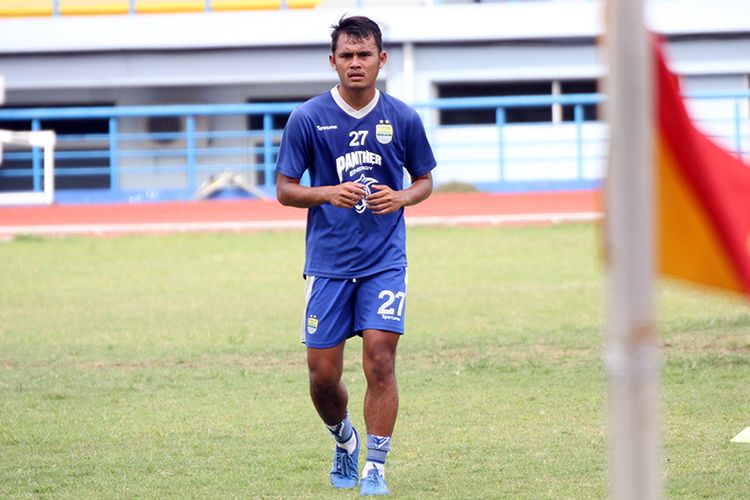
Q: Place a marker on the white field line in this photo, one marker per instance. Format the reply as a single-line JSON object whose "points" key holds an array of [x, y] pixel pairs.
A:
{"points": [[178, 227], [502, 220]]}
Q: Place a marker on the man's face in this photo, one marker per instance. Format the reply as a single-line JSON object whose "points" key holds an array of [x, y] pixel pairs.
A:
{"points": [[357, 61]]}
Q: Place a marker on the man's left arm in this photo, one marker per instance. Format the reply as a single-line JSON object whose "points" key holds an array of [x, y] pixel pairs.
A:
{"points": [[386, 200]]}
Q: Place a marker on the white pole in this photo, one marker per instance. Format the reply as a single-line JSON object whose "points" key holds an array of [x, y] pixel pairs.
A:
{"points": [[49, 171], [409, 69], [632, 354], [47, 140]]}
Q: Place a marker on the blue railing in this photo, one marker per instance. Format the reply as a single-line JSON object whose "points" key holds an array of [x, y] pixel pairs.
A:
{"points": [[133, 162], [124, 160]]}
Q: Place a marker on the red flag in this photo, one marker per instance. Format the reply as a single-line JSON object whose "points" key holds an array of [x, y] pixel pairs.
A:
{"points": [[703, 199]]}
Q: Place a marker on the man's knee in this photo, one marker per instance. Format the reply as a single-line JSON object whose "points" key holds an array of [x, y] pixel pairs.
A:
{"points": [[380, 362], [324, 379], [325, 371]]}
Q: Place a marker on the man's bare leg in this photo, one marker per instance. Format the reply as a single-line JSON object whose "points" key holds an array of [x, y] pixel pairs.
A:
{"points": [[381, 405], [330, 398]]}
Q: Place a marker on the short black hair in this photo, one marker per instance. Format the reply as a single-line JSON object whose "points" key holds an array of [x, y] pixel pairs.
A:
{"points": [[357, 27]]}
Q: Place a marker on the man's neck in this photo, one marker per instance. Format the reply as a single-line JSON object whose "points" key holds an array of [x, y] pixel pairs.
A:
{"points": [[356, 99]]}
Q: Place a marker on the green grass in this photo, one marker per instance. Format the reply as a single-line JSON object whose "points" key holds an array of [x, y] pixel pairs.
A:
{"points": [[170, 367]]}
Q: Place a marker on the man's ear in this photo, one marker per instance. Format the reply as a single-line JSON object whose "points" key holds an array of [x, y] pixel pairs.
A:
{"points": [[382, 59], [331, 61]]}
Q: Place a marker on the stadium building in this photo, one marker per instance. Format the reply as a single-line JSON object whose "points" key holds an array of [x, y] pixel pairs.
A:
{"points": [[163, 99]]}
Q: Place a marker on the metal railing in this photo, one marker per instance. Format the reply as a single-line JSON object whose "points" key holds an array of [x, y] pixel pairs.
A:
{"points": [[134, 156]]}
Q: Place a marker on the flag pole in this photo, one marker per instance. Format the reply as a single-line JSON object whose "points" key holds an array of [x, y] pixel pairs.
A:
{"points": [[631, 350]]}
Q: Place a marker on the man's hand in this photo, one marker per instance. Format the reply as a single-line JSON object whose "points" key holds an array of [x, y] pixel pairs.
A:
{"points": [[385, 200], [345, 195]]}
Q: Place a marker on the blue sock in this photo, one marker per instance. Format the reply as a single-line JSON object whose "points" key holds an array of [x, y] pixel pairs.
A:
{"points": [[343, 432], [377, 450]]}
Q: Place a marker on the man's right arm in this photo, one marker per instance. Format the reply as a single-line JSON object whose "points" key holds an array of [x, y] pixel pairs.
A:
{"points": [[290, 193]]}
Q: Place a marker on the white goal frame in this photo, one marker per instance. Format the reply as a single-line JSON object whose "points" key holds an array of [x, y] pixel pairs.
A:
{"points": [[45, 139]]}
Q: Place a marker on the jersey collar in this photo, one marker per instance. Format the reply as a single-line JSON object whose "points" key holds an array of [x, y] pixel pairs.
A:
{"points": [[356, 113]]}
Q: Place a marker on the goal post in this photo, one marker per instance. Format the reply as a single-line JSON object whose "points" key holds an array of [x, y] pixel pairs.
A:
{"points": [[44, 139]]}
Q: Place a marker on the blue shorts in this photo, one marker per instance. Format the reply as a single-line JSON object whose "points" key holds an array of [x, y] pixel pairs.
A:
{"points": [[337, 309]]}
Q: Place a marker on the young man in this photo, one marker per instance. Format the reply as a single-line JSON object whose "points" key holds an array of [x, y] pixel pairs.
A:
{"points": [[355, 142]]}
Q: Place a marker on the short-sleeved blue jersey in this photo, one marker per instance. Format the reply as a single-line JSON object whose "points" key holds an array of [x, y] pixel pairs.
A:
{"points": [[336, 144]]}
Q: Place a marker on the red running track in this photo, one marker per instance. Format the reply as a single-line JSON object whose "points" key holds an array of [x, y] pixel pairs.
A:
{"points": [[217, 215]]}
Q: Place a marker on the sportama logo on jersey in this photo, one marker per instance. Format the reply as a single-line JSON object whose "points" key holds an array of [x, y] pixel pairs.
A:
{"points": [[384, 132]]}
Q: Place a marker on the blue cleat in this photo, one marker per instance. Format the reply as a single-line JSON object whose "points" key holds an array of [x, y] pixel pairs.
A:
{"points": [[373, 484], [345, 470]]}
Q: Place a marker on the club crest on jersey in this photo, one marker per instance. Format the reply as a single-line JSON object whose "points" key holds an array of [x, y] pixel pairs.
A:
{"points": [[384, 132], [312, 324]]}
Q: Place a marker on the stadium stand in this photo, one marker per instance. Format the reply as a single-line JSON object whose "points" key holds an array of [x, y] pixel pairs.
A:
{"points": [[12, 8], [508, 90]]}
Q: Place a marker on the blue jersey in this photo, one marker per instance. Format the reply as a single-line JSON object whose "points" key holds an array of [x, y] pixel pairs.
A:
{"points": [[337, 144]]}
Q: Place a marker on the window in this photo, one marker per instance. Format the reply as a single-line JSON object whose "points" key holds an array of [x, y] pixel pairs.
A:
{"points": [[278, 122], [579, 87], [486, 115], [523, 114]]}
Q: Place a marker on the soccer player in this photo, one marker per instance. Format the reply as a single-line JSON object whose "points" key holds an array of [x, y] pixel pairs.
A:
{"points": [[355, 142]]}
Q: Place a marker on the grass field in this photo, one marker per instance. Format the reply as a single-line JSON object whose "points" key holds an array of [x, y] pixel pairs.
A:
{"points": [[169, 366]]}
